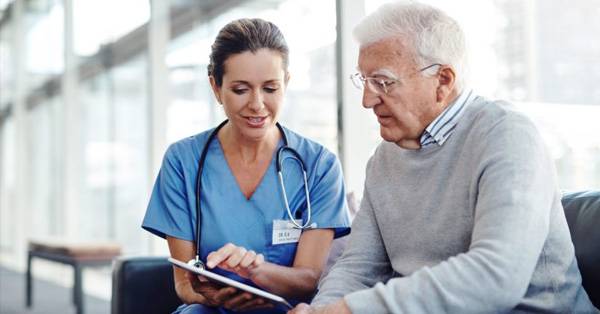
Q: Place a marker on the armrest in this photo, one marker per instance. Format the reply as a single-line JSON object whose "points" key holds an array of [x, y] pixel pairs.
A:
{"points": [[143, 285]]}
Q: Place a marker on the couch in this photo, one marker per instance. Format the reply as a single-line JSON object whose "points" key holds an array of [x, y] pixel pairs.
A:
{"points": [[145, 284]]}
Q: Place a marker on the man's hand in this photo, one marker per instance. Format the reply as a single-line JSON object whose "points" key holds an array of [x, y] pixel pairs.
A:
{"points": [[338, 307], [209, 294], [302, 308], [235, 259]]}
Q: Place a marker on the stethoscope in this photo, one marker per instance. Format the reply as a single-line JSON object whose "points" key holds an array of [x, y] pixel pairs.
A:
{"points": [[285, 148]]}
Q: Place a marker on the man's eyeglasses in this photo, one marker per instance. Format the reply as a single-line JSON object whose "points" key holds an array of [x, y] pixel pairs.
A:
{"points": [[379, 85]]}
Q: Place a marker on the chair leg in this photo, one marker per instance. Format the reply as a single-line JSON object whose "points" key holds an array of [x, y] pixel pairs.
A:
{"points": [[78, 289], [28, 283]]}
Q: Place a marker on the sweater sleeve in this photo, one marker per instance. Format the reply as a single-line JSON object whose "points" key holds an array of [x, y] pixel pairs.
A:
{"points": [[515, 192], [363, 263]]}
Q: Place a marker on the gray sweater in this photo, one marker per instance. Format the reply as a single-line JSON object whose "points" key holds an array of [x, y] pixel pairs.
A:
{"points": [[473, 226]]}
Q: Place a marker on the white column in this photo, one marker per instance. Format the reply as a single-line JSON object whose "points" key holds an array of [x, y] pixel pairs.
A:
{"points": [[158, 39], [3, 190], [70, 133], [356, 147], [22, 157], [6, 226], [532, 50]]}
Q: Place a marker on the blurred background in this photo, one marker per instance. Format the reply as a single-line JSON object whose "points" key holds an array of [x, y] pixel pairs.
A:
{"points": [[92, 92]]}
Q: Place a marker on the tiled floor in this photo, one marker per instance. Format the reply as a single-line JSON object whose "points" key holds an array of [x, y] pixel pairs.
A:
{"points": [[48, 298]]}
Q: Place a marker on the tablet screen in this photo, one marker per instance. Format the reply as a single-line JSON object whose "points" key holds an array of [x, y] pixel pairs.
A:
{"points": [[232, 283]]}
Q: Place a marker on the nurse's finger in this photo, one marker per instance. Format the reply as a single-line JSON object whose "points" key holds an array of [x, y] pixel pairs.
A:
{"points": [[248, 259], [248, 304], [192, 279], [260, 259], [254, 304], [237, 300], [190, 276], [202, 278], [236, 257], [215, 258], [224, 294]]}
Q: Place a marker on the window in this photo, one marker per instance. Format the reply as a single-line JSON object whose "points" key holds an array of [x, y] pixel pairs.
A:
{"points": [[43, 170], [96, 23], [130, 153], [8, 184], [7, 77], [312, 68], [115, 150], [44, 23]]}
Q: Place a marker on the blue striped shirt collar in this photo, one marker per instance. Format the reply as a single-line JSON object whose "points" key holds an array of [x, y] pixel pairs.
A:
{"points": [[440, 129]]}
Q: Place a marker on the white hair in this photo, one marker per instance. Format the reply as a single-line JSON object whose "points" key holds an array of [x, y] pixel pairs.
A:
{"points": [[433, 35]]}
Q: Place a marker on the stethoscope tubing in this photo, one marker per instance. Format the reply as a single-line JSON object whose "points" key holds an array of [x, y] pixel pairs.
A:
{"points": [[279, 167]]}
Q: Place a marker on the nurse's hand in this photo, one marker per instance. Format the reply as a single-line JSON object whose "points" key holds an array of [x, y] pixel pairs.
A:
{"points": [[210, 294], [235, 259], [246, 302]]}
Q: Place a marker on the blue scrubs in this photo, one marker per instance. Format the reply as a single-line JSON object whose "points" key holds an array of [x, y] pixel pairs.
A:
{"points": [[228, 216]]}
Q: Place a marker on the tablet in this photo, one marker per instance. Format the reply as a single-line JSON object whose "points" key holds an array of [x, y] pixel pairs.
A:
{"points": [[232, 283]]}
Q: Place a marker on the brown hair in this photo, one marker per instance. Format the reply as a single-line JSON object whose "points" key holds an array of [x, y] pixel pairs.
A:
{"points": [[244, 35]]}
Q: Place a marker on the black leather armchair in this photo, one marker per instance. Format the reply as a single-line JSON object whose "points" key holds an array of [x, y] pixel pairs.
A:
{"points": [[145, 284], [582, 210]]}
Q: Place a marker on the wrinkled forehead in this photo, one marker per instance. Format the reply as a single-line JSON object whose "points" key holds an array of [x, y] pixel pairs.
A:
{"points": [[392, 54]]}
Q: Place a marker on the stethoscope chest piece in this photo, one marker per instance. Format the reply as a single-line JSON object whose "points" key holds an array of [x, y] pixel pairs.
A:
{"points": [[196, 262]]}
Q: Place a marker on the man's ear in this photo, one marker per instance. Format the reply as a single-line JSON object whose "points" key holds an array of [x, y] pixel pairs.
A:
{"points": [[446, 81], [287, 78], [215, 88]]}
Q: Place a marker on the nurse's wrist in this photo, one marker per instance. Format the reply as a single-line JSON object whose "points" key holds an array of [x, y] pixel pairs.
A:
{"points": [[256, 274]]}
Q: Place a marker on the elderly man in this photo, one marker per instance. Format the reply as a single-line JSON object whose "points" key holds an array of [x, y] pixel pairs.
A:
{"points": [[461, 212]]}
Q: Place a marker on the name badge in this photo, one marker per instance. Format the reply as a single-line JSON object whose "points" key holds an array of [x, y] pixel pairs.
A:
{"points": [[284, 231]]}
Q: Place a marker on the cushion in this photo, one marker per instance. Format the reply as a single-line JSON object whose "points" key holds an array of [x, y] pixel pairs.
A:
{"points": [[76, 249]]}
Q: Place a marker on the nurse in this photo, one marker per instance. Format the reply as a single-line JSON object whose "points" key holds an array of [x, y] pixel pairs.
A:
{"points": [[246, 232]]}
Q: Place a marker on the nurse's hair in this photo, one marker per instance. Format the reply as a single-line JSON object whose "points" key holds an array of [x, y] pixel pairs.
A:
{"points": [[244, 35], [434, 36]]}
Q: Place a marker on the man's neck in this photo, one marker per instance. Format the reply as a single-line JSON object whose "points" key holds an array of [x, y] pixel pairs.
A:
{"points": [[409, 144], [415, 144]]}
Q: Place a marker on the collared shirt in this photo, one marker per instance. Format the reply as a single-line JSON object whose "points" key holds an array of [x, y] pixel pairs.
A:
{"points": [[440, 129]]}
